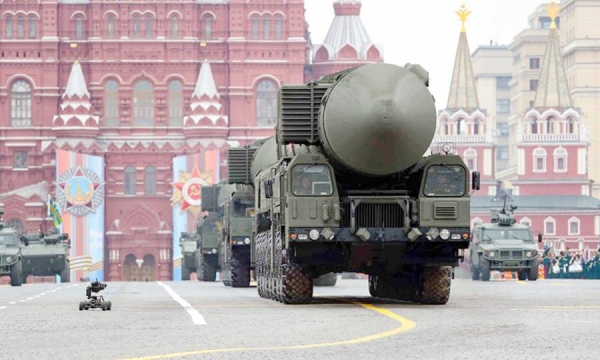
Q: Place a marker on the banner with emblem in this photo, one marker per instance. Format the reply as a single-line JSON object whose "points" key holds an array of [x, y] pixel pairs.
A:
{"points": [[190, 173], [80, 199]]}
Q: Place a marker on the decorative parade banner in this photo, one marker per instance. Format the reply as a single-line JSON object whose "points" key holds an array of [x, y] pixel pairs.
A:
{"points": [[80, 197], [190, 173]]}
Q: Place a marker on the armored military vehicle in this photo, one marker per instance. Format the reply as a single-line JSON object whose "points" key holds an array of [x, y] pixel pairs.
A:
{"points": [[503, 245], [46, 255], [10, 253], [200, 250], [345, 186]]}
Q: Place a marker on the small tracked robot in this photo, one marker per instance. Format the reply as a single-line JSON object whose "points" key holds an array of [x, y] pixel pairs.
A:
{"points": [[93, 301]]}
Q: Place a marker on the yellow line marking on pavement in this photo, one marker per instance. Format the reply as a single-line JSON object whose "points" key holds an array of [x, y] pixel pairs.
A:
{"points": [[405, 325], [521, 282]]}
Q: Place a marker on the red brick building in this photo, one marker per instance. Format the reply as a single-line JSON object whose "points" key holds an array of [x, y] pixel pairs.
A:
{"points": [[138, 83]]}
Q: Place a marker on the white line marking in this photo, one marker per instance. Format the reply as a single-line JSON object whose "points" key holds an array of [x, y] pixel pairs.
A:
{"points": [[29, 298], [2, 307], [196, 317], [12, 302], [53, 290], [37, 296], [22, 300]]}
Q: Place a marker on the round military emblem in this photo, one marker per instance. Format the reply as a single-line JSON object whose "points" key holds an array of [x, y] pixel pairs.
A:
{"points": [[187, 191], [79, 191], [191, 191]]}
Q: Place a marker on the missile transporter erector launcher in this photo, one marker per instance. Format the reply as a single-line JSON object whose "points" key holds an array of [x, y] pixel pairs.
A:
{"points": [[344, 186], [11, 262], [199, 249], [46, 255]]}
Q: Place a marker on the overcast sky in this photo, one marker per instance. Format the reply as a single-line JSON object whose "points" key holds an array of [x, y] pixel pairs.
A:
{"points": [[426, 31]]}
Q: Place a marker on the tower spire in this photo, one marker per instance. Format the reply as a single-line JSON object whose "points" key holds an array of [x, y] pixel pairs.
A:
{"points": [[463, 92]]}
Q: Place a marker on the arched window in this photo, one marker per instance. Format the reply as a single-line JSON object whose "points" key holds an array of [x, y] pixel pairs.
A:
{"points": [[549, 226], [255, 27], [476, 127], [461, 127], [539, 160], [175, 103], [20, 104], [9, 27], [570, 126], [143, 103], [266, 103], [137, 26], [111, 26], [174, 27], [574, 226], [130, 180], [16, 224], [208, 20], [534, 126], [267, 28], [79, 27], [278, 25], [149, 26], [550, 125], [20, 27], [525, 221], [111, 103], [560, 160], [150, 181], [470, 156], [32, 27]]}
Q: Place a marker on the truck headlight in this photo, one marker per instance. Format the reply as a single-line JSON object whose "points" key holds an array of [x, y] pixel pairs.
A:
{"points": [[314, 234], [445, 234], [8, 259], [214, 251], [247, 241], [490, 253]]}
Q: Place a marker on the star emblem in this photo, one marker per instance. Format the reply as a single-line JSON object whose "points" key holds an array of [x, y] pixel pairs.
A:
{"points": [[79, 191], [188, 190]]}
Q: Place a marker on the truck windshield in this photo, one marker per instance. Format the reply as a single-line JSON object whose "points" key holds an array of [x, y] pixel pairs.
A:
{"points": [[243, 207], [7, 239], [445, 180], [311, 180], [497, 234]]}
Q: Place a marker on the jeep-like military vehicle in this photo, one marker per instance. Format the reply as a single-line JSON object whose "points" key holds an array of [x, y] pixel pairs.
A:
{"points": [[46, 255], [503, 245], [10, 253]]}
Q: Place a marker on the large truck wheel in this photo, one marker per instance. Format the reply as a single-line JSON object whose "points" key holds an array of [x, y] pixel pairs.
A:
{"points": [[16, 274], [435, 286], [329, 279], [484, 268], [534, 270], [522, 275], [475, 274], [185, 273], [209, 268], [297, 285], [65, 274], [240, 268]]}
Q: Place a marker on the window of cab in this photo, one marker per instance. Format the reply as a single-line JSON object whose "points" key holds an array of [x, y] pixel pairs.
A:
{"points": [[243, 207], [445, 180], [311, 180]]}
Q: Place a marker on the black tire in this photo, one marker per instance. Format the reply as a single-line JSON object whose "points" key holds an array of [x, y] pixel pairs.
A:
{"points": [[435, 285], [209, 268], [475, 273], [329, 279], [109, 306], [297, 285], [104, 306], [522, 275], [185, 273], [349, 275], [533, 272], [16, 274], [240, 267], [484, 268], [65, 274], [80, 305]]}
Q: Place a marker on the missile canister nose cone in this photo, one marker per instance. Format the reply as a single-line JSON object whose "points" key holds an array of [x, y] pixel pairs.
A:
{"points": [[378, 120]]}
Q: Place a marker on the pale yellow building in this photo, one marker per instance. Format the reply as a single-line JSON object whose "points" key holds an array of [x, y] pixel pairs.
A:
{"points": [[580, 41]]}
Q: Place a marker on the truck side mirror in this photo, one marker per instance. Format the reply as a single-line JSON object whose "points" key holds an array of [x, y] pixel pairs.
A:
{"points": [[539, 237], [268, 188], [475, 180], [25, 240]]}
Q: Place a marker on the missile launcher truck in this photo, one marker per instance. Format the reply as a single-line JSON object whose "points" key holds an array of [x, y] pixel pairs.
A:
{"points": [[11, 262], [200, 249], [344, 186], [46, 255]]}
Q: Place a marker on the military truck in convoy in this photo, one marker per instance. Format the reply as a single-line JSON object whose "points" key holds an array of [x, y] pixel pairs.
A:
{"points": [[46, 255], [200, 249], [345, 186], [10, 253], [503, 245]]}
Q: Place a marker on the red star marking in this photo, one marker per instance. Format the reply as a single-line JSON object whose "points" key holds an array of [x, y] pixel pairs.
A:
{"points": [[193, 191]]}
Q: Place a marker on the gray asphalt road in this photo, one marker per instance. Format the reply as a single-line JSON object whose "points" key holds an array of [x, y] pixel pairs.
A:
{"points": [[547, 319]]}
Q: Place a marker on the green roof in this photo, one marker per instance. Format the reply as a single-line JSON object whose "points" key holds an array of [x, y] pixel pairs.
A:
{"points": [[538, 202]]}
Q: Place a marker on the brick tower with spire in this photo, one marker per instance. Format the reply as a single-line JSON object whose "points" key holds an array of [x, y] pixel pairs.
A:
{"points": [[463, 124]]}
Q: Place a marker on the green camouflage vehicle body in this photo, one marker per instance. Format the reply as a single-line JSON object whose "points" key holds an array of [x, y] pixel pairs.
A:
{"points": [[344, 187], [503, 245], [199, 250], [188, 242], [10, 253], [46, 255]]}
